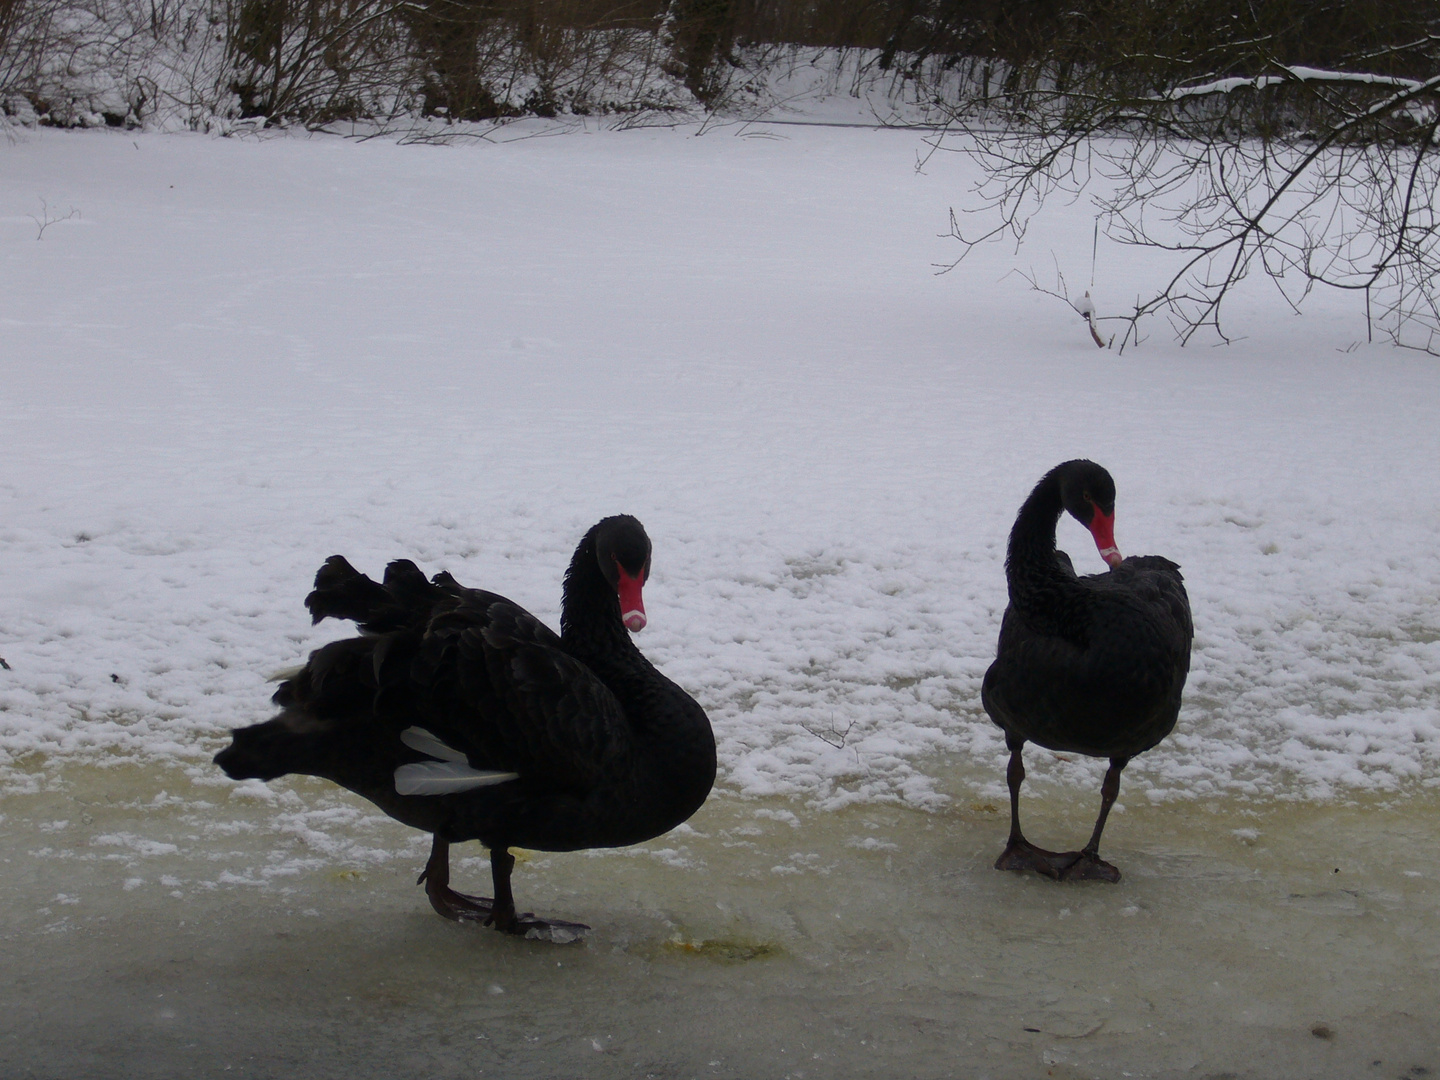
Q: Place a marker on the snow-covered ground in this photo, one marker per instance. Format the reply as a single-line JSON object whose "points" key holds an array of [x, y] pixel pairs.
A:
{"points": [[241, 356]]}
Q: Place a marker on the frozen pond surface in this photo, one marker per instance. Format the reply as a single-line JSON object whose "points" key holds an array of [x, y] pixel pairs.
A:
{"points": [[244, 355], [144, 938]]}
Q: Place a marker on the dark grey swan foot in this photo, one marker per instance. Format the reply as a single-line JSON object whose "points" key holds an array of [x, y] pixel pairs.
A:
{"points": [[1088, 866], [556, 931], [1021, 855], [460, 907]]}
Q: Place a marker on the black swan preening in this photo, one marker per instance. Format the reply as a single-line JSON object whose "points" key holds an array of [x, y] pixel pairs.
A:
{"points": [[459, 713], [1088, 665]]}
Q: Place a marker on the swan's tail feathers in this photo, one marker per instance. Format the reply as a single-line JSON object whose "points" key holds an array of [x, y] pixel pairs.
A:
{"points": [[342, 592], [445, 778], [408, 587], [287, 744]]}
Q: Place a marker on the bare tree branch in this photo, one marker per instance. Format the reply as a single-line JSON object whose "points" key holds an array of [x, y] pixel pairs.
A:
{"points": [[1314, 176]]}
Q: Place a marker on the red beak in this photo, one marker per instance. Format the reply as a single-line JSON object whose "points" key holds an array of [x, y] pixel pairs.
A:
{"points": [[632, 605], [1102, 528]]}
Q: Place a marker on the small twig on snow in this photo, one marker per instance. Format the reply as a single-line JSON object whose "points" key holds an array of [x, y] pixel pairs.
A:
{"points": [[46, 219], [834, 737]]}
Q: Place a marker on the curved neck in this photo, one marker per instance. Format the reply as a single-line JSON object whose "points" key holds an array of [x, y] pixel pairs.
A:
{"points": [[590, 623], [591, 631], [1030, 562]]}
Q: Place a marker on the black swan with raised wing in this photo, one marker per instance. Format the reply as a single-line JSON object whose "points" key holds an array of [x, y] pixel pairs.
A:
{"points": [[1089, 665], [459, 713]]}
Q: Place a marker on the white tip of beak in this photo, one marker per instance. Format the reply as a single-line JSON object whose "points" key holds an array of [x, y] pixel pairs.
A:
{"points": [[1112, 556], [634, 621]]}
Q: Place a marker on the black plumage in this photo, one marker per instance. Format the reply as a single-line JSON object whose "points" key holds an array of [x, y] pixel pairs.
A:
{"points": [[544, 741], [1090, 665]]}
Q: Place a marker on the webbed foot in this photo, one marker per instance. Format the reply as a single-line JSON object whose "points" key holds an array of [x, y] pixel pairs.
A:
{"points": [[556, 931], [499, 913], [460, 907], [457, 907], [1022, 855], [1088, 866], [523, 924]]}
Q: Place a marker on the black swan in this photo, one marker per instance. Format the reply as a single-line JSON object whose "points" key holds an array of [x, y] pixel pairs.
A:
{"points": [[1088, 665], [459, 713]]}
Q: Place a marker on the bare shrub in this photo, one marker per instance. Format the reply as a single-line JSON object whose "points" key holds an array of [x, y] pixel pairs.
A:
{"points": [[205, 62], [15, 60], [315, 60], [66, 62], [108, 62], [538, 57]]}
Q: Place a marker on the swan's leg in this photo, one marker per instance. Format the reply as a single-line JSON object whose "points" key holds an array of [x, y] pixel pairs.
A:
{"points": [[1014, 777], [526, 925], [501, 864], [1019, 853], [1089, 866], [499, 912], [503, 915], [445, 901]]}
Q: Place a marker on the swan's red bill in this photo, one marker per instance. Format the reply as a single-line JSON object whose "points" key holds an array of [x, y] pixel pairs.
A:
{"points": [[1102, 528], [632, 606]]}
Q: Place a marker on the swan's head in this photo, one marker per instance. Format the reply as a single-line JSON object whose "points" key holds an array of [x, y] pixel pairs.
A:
{"points": [[1088, 495], [623, 551]]}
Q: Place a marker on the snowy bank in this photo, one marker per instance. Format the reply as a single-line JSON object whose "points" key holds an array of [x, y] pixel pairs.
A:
{"points": [[242, 356]]}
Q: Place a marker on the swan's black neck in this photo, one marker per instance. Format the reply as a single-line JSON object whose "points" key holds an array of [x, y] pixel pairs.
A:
{"points": [[678, 747], [677, 731], [1031, 568], [590, 623]]}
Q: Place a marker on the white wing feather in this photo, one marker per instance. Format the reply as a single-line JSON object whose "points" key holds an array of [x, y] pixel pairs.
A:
{"points": [[444, 777], [417, 738]]}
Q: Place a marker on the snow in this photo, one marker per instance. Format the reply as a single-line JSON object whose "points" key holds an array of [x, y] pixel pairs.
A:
{"points": [[1301, 74], [243, 355]]}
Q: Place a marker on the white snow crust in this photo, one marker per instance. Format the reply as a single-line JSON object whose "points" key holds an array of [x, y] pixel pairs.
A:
{"points": [[244, 355]]}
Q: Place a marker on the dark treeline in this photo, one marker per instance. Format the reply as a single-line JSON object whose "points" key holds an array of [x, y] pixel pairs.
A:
{"points": [[1012, 46], [314, 60], [1164, 40]]}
